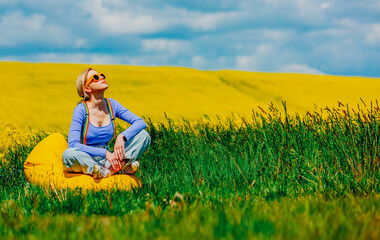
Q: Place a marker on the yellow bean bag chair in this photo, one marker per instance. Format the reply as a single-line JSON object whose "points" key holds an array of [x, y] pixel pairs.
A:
{"points": [[44, 167]]}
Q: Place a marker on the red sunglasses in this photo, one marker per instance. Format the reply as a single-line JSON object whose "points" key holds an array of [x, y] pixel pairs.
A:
{"points": [[94, 77]]}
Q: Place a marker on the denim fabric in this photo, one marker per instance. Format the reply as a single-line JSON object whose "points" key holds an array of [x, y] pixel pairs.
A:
{"points": [[75, 160]]}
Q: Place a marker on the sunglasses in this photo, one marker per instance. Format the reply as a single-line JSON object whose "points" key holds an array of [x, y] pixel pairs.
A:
{"points": [[95, 77]]}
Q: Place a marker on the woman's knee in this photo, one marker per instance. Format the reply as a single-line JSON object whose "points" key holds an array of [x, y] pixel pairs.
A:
{"points": [[71, 156], [143, 135], [75, 160], [146, 135], [68, 158], [69, 153]]}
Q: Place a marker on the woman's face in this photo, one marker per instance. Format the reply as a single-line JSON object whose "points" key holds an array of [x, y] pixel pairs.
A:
{"points": [[96, 85]]}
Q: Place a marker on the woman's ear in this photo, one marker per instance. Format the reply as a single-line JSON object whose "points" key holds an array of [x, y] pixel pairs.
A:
{"points": [[87, 89]]}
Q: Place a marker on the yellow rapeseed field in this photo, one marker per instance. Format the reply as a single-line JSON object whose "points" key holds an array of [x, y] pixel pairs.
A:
{"points": [[303, 92], [43, 95]]}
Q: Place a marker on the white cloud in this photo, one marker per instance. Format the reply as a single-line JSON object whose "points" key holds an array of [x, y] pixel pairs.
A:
{"points": [[133, 19], [130, 23], [345, 22], [303, 12], [263, 57], [80, 42], [170, 46], [373, 37], [94, 58], [325, 5], [310, 11], [209, 21], [117, 17], [347, 31], [69, 57], [199, 62], [299, 68], [16, 28], [246, 62]]}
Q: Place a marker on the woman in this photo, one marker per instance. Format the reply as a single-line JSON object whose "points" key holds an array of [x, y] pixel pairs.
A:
{"points": [[93, 127]]}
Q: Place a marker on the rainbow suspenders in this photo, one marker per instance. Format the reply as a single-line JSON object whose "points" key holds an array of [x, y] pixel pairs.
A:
{"points": [[87, 122]]}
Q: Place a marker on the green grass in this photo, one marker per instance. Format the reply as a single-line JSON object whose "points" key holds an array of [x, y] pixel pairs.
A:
{"points": [[275, 176]]}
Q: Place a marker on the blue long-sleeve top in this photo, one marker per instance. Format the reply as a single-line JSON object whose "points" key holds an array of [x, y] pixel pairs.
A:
{"points": [[99, 136]]}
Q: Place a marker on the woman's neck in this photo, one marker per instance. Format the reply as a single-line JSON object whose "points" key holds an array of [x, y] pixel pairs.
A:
{"points": [[96, 100]]}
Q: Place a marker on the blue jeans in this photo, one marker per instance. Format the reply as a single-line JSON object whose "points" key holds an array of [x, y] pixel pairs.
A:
{"points": [[75, 160]]}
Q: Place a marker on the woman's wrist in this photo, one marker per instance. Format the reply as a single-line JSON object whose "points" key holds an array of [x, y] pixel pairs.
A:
{"points": [[122, 137]]}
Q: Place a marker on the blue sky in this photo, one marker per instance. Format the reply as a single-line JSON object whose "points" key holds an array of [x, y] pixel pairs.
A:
{"points": [[339, 37]]}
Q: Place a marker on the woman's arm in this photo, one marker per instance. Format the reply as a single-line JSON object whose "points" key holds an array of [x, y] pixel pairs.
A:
{"points": [[137, 123], [75, 133]]}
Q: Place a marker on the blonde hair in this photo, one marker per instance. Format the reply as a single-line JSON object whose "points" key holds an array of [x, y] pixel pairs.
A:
{"points": [[81, 80]]}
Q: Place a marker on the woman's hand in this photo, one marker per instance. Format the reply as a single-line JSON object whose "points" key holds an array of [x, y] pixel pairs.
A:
{"points": [[119, 150], [115, 163]]}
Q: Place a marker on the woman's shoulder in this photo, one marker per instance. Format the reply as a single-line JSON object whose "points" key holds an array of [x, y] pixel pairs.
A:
{"points": [[116, 105], [80, 108], [113, 102]]}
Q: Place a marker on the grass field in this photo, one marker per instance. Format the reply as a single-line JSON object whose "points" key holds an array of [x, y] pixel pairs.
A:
{"points": [[276, 176], [224, 163]]}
